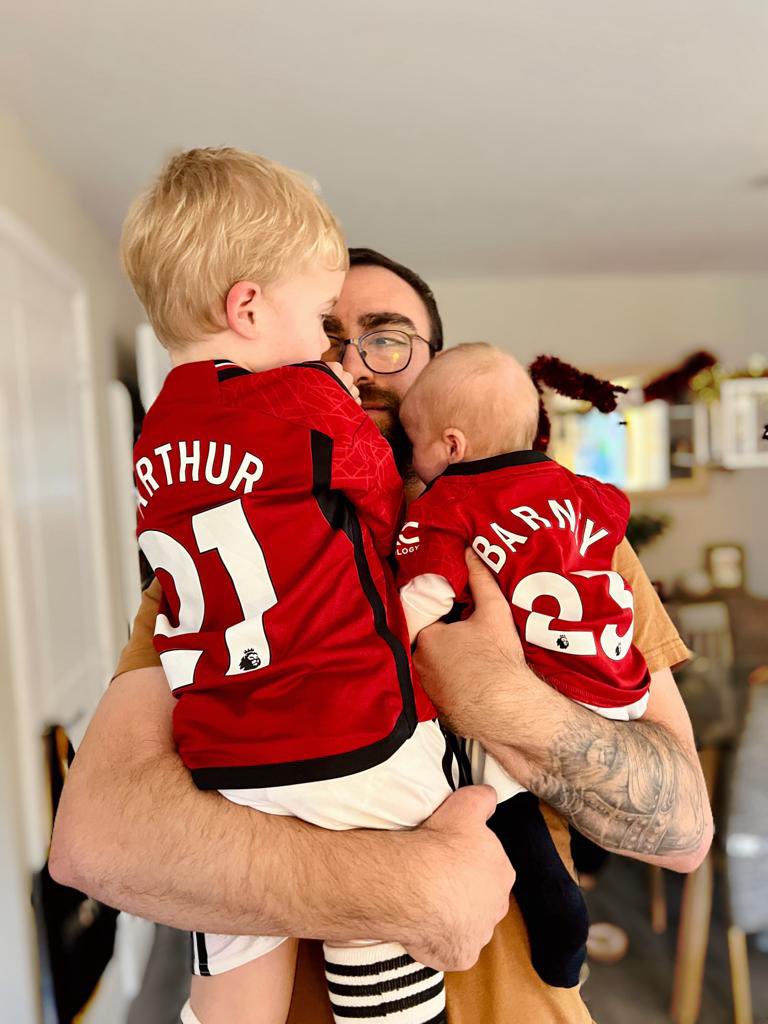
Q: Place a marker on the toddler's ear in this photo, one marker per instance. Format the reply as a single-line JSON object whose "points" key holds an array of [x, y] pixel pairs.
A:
{"points": [[455, 442], [243, 305]]}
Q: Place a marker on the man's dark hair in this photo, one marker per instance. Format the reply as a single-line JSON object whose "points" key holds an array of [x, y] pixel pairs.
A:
{"points": [[371, 258]]}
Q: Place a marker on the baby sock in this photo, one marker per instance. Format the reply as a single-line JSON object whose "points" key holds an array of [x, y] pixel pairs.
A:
{"points": [[550, 900], [382, 983]]}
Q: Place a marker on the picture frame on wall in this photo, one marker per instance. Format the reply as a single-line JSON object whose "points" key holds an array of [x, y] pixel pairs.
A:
{"points": [[726, 566]]}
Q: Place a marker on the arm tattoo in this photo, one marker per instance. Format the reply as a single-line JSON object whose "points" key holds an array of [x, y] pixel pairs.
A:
{"points": [[627, 787]]}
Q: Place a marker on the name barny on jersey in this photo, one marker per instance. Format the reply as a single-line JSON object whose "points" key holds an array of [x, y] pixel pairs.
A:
{"points": [[562, 516], [185, 461]]}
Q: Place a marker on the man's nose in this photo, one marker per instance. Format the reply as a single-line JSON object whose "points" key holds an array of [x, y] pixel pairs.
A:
{"points": [[353, 364]]}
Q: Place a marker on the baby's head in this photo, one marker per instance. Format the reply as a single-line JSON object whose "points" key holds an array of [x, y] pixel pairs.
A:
{"points": [[227, 242], [471, 402]]}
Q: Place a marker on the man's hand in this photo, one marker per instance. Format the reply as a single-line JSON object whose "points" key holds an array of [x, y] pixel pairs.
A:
{"points": [[635, 788], [462, 878], [346, 379]]}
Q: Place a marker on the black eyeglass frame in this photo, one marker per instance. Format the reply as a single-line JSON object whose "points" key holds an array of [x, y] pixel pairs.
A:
{"points": [[358, 343]]}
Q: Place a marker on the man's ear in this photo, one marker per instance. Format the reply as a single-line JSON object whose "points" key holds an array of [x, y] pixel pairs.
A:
{"points": [[455, 443], [243, 306]]}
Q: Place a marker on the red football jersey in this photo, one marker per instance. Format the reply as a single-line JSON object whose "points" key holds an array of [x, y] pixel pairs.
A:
{"points": [[268, 504], [549, 536]]}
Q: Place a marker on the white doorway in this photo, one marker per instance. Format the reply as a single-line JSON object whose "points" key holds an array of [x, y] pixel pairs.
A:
{"points": [[55, 601]]}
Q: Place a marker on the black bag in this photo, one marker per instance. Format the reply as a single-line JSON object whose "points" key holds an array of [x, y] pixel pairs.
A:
{"points": [[78, 932]]}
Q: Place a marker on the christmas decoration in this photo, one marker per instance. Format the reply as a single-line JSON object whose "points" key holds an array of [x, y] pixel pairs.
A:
{"points": [[706, 384], [571, 382], [672, 385]]}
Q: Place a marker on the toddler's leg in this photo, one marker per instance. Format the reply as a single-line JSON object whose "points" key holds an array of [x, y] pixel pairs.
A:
{"points": [[382, 984], [550, 900], [258, 992]]}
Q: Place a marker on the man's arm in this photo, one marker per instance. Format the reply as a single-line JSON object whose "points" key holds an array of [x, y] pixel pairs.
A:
{"points": [[133, 830], [635, 788]]}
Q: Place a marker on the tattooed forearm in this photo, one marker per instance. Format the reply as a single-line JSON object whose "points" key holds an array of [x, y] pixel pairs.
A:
{"points": [[627, 786]]}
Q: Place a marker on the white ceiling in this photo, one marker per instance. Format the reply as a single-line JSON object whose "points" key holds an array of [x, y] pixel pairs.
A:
{"points": [[465, 138]]}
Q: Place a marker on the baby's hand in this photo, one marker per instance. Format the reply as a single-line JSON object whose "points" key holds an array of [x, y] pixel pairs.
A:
{"points": [[346, 379]]}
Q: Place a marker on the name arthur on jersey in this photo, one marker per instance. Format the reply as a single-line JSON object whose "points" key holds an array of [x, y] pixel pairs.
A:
{"points": [[183, 462]]}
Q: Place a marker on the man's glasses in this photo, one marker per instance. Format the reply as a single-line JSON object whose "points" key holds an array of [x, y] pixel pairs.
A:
{"points": [[382, 351]]}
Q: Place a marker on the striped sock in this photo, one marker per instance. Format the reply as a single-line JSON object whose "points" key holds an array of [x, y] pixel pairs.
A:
{"points": [[382, 983]]}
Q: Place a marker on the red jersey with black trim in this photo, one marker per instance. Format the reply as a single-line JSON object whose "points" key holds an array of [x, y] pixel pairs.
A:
{"points": [[549, 537], [268, 505]]}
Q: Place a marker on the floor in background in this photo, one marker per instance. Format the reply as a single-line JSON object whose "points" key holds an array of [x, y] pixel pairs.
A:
{"points": [[635, 991], [638, 989]]}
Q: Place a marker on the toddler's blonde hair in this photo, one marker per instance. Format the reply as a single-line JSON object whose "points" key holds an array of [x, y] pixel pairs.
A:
{"points": [[214, 217], [482, 391]]}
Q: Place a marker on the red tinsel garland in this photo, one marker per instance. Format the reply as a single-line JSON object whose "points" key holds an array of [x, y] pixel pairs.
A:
{"points": [[669, 385], [567, 380]]}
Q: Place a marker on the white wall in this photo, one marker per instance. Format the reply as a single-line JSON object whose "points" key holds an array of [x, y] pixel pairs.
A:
{"points": [[633, 322], [18, 953], [39, 196]]}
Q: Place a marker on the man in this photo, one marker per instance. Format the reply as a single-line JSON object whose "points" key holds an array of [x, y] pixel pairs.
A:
{"points": [[133, 831]]}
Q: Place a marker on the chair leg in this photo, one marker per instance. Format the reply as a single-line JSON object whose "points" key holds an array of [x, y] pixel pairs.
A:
{"points": [[742, 995], [695, 917], [693, 938], [658, 900]]}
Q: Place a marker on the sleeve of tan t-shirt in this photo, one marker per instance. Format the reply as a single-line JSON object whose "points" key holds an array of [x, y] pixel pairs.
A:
{"points": [[655, 634]]}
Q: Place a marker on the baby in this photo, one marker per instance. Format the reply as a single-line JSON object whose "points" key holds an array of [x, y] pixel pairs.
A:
{"points": [[549, 537], [268, 508]]}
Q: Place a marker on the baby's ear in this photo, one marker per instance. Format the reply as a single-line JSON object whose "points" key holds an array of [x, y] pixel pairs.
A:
{"points": [[455, 442], [243, 305]]}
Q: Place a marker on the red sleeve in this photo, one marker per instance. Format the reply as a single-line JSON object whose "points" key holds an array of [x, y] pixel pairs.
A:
{"points": [[362, 465], [433, 540]]}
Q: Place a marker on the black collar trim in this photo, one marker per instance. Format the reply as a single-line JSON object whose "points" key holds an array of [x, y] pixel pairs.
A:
{"points": [[523, 458]]}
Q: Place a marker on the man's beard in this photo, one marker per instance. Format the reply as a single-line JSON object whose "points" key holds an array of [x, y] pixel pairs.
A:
{"points": [[391, 428]]}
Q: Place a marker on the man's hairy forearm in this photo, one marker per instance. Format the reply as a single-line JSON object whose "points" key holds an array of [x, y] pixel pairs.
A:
{"points": [[134, 831], [634, 787], [628, 786], [208, 861], [631, 787]]}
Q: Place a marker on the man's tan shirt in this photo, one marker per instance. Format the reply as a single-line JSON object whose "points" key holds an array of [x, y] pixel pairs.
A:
{"points": [[502, 987]]}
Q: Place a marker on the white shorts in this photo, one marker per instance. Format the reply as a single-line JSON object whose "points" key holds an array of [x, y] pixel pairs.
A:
{"points": [[400, 793]]}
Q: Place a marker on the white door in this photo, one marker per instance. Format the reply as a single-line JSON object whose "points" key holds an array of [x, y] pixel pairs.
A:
{"points": [[56, 591], [54, 597]]}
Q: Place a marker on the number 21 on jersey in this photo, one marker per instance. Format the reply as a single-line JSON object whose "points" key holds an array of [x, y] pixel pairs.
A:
{"points": [[226, 530]]}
